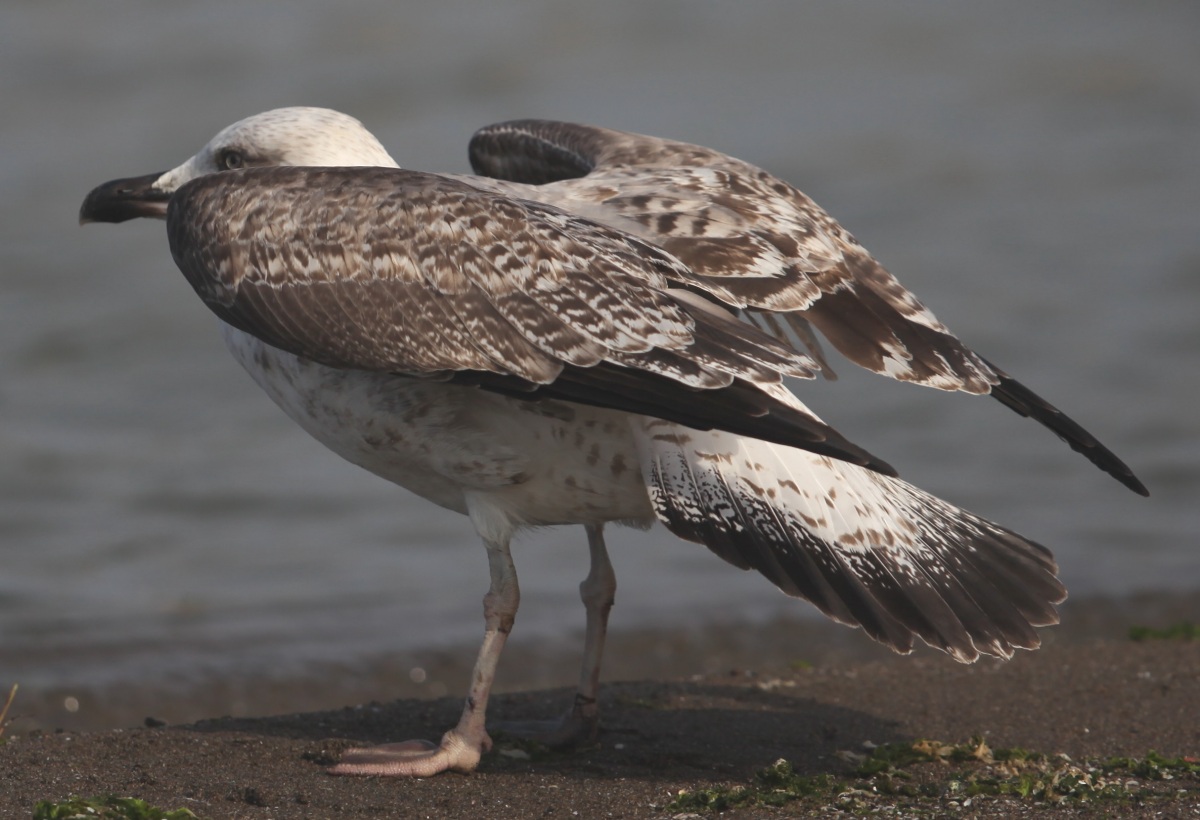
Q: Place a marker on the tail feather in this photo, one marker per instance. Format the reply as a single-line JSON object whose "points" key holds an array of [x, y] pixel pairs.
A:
{"points": [[1030, 587], [867, 549]]}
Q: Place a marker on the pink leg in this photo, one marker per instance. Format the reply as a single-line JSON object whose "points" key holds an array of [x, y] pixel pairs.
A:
{"points": [[463, 746], [597, 590]]}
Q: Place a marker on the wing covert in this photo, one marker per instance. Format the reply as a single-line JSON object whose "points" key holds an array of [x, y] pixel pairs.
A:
{"points": [[423, 276], [762, 247]]}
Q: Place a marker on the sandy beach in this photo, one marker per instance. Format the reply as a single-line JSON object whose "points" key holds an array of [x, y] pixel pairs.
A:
{"points": [[1088, 693]]}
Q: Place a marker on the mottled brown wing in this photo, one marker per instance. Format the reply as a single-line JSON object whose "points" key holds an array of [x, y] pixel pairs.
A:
{"points": [[389, 270], [759, 245], [748, 238]]}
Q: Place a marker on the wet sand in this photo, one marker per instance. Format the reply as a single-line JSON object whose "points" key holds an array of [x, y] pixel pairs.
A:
{"points": [[1087, 693]]}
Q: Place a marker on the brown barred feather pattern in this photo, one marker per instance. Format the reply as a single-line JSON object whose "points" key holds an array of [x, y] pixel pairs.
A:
{"points": [[447, 279], [597, 330], [757, 244]]}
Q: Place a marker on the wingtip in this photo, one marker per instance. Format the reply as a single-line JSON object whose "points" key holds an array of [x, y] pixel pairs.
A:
{"points": [[1025, 402], [882, 467], [1131, 481], [1104, 458]]}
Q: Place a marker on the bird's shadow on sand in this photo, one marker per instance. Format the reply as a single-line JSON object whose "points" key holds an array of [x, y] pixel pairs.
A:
{"points": [[649, 730]]}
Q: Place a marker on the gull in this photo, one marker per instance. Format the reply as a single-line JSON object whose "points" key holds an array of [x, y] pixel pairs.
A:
{"points": [[595, 328]]}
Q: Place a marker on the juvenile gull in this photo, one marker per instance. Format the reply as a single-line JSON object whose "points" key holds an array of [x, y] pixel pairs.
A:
{"points": [[595, 330]]}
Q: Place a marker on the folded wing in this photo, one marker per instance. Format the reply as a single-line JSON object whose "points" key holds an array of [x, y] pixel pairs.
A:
{"points": [[415, 274], [760, 246]]}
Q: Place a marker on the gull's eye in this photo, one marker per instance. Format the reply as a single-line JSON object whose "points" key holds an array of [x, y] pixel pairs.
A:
{"points": [[230, 160]]}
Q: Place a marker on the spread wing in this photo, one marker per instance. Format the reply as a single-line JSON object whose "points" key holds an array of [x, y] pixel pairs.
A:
{"points": [[423, 276], [758, 245]]}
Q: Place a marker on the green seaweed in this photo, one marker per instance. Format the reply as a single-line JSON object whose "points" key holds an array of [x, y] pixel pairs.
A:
{"points": [[776, 785], [929, 774], [1182, 631], [1153, 766], [106, 807]]}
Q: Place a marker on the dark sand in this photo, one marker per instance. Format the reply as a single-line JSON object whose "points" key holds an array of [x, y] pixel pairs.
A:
{"points": [[1084, 695]]}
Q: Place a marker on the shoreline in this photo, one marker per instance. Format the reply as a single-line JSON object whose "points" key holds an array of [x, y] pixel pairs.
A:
{"points": [[1093, 699], [653, 653]]}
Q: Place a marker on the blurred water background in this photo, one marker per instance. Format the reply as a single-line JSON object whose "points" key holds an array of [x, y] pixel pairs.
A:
{"points": [[1031, 170]]}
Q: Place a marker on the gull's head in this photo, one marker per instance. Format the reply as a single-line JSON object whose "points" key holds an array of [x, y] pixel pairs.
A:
{"points": [[283, 136]]}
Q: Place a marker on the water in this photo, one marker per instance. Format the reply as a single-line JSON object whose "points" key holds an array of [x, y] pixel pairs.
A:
{"points": [[1031, 170]]}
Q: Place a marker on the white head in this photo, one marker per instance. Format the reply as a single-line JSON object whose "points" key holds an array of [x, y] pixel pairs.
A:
{"points": [[284, 136]]}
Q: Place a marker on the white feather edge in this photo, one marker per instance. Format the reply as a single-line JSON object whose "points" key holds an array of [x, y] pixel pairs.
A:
{"points": [[727, 480]]}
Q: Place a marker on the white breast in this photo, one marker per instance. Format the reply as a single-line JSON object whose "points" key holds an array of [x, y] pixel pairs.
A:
{"points": [[532, 463]]}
